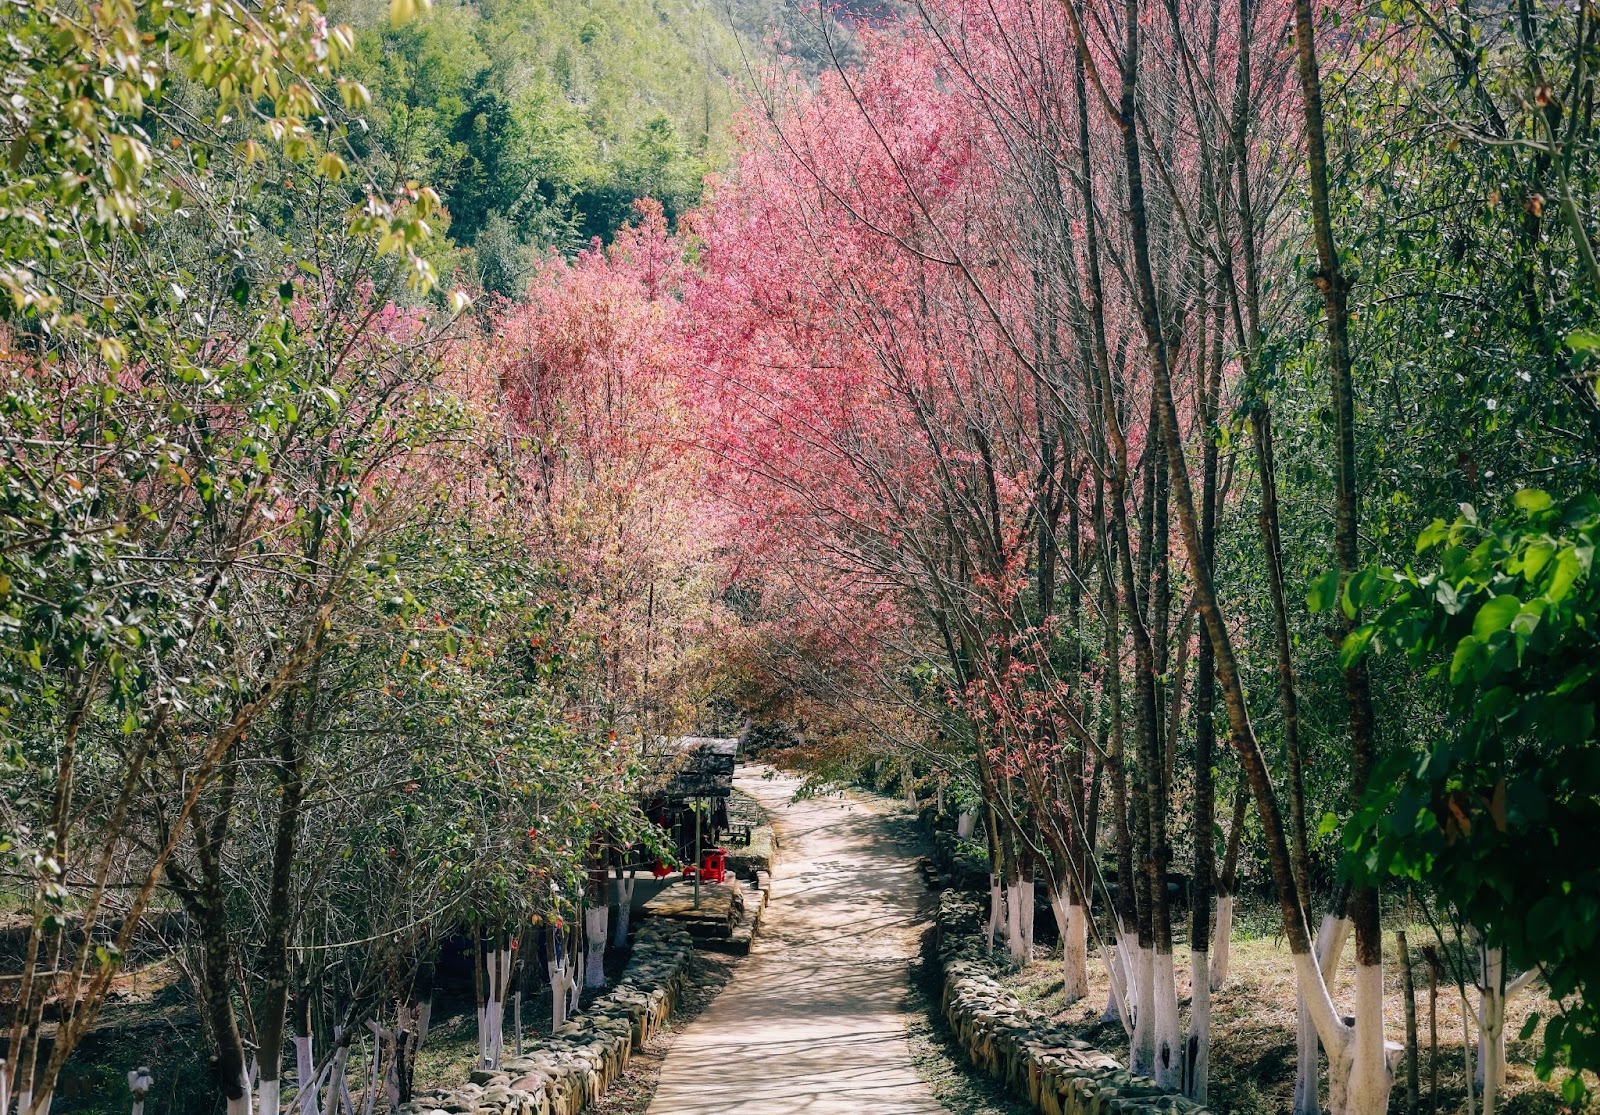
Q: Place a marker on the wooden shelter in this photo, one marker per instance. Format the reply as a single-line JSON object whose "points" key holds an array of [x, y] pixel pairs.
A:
{"points": [[690, 776]]}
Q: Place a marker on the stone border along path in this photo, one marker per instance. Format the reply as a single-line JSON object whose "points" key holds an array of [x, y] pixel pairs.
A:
{"points": [[814, 1021], [1023, 1048]]}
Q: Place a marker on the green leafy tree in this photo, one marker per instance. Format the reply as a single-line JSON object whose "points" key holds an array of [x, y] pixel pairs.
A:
{"points": [[1496, 816]]}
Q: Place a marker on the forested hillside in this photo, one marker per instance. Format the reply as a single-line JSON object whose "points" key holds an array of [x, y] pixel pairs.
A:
{"points": [[540, 121]]}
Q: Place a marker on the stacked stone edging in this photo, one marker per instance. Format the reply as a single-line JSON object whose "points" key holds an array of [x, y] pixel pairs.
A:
{"points": [[1036, 1059], [563, 1073]]}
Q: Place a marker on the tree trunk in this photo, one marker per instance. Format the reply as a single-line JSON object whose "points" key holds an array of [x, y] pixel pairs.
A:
{"points": [[624, 896], [1371, 1078], [273, 1018], [594, 923], [1197, 1050]]}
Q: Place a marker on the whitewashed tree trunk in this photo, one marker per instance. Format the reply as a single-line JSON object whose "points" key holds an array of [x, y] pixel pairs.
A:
{"points": [[574, 990], [305, 1075], [595, 920], [516, 1016], [1165, 1033], [1073, 924], [1305, 1060], [245, 1104], [492, 1012], [1360, 1061], [424, 1016], [1142, 1048], [1221, 942], [5, 1087], [334, 1070], [1329, 946], [623, 889], [1494, 996], [384, 1068], [996, 910], [559, 983], [1030, 911], [267, 1097], [346, 1103], [1117, 989], [1371, 1070], [965, 824], [1016, 939], [1197, 1048], [1123, 1000]]}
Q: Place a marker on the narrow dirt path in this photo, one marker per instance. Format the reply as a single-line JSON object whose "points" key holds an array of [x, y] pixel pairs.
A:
{"points": [[814, 1021]]}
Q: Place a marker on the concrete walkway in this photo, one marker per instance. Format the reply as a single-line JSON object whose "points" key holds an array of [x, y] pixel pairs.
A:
{"points": [[814, 1021]]}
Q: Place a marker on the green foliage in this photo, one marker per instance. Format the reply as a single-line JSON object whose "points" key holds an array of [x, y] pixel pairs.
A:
{"points": [[545, 120], [1497, 816]]}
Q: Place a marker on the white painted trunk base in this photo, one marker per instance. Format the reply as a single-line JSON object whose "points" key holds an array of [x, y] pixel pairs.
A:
{"points": [[424, 1016], [996, 910], [1142, 1048], [492, 1012], [623, 889], [267, 1094], [1494, 994], [338, 1088], [516, 1019], [240, 1106], [305, 1075], [560, 983], [1221, 942], [1073, 925], [1371, 1071], [1121, 970], [1016, 915], [965, 824], [595, 920], [1165, 1033], [1305, 1060], [1197, 1047]]}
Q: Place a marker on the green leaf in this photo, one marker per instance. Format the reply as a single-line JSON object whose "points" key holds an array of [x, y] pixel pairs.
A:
{"points": [[1355, 645], [1583, 340], [1566, 571], [1496, 615], [1329, 823], [1531, 501], [1433, 534], [1528, 1027], [1323, 592], [1466, 651]]}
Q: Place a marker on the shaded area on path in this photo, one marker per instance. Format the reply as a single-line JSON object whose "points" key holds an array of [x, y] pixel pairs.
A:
{"points": [[814, 1022]]}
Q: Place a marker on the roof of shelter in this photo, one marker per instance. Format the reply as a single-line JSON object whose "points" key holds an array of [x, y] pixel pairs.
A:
{"points": [[691, 767]]}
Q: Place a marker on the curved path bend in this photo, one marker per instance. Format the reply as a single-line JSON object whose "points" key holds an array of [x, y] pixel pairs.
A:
{"points": [[814, 1021]]}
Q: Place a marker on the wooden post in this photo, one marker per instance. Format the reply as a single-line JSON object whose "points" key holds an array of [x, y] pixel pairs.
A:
{"points": [[697, 854], [1408, 984]]}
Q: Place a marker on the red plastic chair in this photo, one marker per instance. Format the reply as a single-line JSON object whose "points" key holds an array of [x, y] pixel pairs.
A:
{"points": [[714, 868]]}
